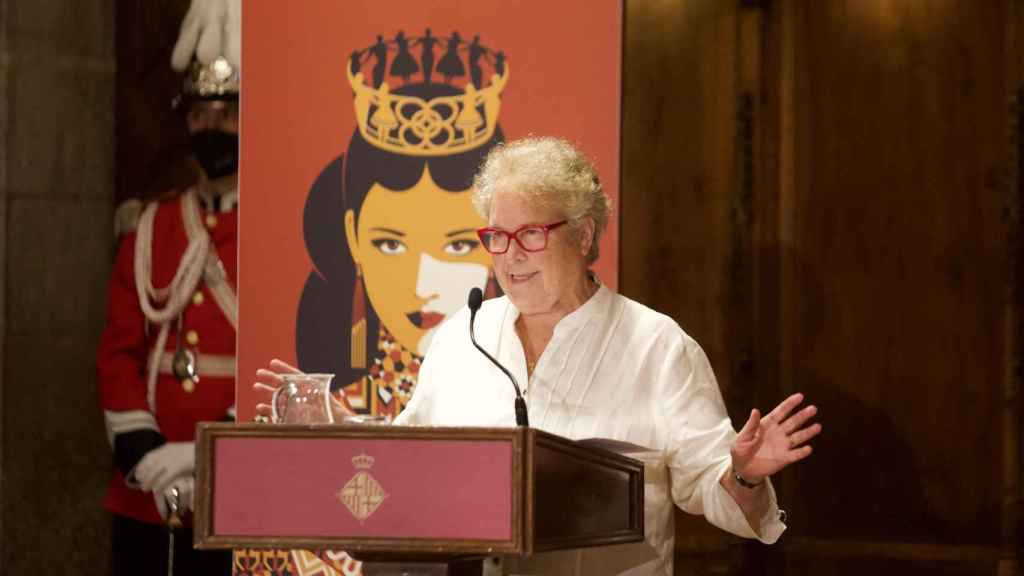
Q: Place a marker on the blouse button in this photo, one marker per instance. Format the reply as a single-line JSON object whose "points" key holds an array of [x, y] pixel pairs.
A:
{"points": [[198, 298], [192, 338], [188, 385], [211, 221]]}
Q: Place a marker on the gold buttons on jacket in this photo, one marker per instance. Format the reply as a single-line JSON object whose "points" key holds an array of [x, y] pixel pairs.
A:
{"points": [[192, 338], [198, 298], [188, 385], [211, 221]]}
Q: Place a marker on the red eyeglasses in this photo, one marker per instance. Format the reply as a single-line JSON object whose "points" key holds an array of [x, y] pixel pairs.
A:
{"points": [[531, 237]]}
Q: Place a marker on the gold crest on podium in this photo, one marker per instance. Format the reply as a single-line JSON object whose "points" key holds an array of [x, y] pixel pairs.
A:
{"points": [[362, 494]]}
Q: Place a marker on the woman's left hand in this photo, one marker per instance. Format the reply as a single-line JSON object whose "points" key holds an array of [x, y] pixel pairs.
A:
{"points": [[766, 445]]}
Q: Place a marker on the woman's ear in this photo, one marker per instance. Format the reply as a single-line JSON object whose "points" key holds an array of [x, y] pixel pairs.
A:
{"points": [[586, 235], [350, 235]]}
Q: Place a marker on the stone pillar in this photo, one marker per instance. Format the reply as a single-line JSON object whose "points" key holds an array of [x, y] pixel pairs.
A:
{"points": [[57, 77]]}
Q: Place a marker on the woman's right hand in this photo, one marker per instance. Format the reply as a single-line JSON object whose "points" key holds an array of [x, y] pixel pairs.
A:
{"points": [[269, 380]]}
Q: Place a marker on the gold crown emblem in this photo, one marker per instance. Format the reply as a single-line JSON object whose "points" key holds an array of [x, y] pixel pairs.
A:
{"points": [[363, 462], [438, 126]]}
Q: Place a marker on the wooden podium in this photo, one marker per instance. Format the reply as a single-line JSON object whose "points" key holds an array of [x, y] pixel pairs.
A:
{"points": [[411, 500]]}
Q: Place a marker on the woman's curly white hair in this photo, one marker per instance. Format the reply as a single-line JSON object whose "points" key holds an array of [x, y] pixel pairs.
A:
{"points": [[550, 173]]}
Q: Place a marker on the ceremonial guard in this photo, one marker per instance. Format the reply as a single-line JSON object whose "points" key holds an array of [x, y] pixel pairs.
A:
{"points": [[166, 357]]}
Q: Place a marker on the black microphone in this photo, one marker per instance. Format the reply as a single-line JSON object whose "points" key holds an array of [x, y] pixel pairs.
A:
{"points": [[476, 298]]}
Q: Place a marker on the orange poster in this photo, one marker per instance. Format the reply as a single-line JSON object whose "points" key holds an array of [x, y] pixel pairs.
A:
{"points": [[455, 78], [363, 122]]}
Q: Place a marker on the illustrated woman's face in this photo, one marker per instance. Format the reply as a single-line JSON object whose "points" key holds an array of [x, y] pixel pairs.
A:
{"points": [[419, 256]]}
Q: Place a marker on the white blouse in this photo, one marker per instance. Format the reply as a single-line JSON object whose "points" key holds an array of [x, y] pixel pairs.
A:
{"points": [[616, 369]]}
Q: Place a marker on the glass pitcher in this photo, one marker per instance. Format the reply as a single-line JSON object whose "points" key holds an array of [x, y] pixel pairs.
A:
{"points": [[304, 399]]}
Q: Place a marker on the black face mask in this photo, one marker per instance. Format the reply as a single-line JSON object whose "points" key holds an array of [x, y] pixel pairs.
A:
{"points": [[216, 151]]}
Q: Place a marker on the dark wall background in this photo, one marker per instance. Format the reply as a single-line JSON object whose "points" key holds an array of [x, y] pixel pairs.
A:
{"points": [[152, 146], [825, 193], [57, 75]]}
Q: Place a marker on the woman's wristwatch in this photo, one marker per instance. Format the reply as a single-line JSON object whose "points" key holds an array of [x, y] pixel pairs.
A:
{"points": [[744, 482]]}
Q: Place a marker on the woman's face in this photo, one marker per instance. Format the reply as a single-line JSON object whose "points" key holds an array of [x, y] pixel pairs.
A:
{"points": [[541, 282], [419, 256]]}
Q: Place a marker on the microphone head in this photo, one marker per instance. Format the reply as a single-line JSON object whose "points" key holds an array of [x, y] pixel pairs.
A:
{"points": [[476, 298]]}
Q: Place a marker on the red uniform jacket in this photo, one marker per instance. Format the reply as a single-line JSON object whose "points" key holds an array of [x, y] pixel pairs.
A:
{"points": [[128, 340]]}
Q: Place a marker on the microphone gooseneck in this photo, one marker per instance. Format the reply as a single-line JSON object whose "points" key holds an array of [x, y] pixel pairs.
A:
{"points": [[476, 298]]}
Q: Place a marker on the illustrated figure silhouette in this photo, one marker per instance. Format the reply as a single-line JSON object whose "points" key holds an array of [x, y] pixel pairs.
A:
{"points": [[476, 52], [404, 65], [499, 63], [427, 54], [380, 52], [451, 64]]}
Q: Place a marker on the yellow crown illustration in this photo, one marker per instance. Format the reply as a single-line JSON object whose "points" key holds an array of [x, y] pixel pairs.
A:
{"points": [[362, 462], [438, 126]]}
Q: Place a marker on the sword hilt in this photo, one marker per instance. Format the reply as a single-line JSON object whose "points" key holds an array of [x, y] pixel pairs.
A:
{"points": [[174, 521]]}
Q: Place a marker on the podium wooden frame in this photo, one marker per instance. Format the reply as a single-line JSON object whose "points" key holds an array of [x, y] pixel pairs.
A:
{"points": [[564, 494]]}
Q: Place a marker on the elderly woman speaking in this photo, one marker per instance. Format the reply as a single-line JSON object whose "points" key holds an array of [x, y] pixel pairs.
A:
{"points": [[594, 363]]}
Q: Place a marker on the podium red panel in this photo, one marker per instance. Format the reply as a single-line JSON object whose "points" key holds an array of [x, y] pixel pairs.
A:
{"points": [[363, 488]]}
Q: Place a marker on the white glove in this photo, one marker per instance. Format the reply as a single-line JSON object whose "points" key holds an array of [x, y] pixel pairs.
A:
{"points": [[163, 465], [211, 28], [186, 486]]}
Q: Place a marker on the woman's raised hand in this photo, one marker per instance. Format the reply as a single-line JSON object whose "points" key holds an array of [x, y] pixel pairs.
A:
{"points": [[768, 444]]}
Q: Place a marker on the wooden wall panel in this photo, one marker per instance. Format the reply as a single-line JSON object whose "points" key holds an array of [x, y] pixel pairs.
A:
{"points": [[867, 257], [678, 138], [892, 184]]}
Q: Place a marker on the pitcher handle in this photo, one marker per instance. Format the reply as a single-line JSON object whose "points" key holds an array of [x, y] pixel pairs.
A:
{"points": [[327, 402], [274, 416]]}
